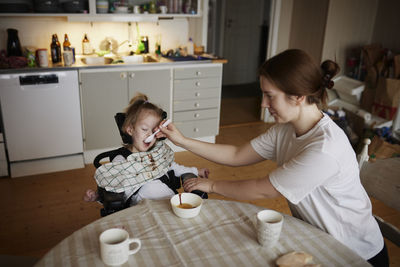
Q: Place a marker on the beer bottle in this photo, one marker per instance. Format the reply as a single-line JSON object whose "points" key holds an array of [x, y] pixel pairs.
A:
{"points": [[55, 49], [66, 44]]}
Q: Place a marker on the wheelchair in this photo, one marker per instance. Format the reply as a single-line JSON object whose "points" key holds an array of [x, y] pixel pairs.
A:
{"points": [[113, 202]]}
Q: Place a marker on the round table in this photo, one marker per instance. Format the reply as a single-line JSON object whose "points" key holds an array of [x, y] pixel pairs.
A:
{"points": [[222, 234]]}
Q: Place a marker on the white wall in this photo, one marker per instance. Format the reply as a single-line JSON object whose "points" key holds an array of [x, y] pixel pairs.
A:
{"points": [[37, 31], [349, 25]]}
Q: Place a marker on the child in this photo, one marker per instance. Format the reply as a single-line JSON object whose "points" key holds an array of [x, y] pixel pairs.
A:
{"points": [[137, 169]]}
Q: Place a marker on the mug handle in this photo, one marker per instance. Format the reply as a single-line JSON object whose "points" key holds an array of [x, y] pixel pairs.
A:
{"points": [[135, 240]]}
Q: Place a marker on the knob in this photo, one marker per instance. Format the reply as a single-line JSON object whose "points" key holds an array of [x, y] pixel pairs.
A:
{"points": [[196, 130], [132, 75], [122, 75], [196, 105], [197, 83], [198, 73], [197, 94], [196, 115]]}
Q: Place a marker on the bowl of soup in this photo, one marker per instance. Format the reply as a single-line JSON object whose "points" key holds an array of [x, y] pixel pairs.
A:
{"points": [[190, 207]]}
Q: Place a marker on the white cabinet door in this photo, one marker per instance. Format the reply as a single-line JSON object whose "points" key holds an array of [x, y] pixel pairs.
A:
{"points": [[156, 84], [103, 95]]}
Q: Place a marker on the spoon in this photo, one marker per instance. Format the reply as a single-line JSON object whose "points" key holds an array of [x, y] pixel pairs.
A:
{"points": [[151, 137]]}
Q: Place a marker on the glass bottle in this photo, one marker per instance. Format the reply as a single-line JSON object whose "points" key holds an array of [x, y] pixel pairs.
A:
{"points": [[86, 45], [13, 44], [66, 44], [55, 49]]}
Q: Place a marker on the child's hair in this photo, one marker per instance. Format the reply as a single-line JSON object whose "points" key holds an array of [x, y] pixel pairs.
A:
{"points": [[138, 104], [296, 73]]}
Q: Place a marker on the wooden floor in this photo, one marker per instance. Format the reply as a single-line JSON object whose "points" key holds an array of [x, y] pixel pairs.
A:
{"points": [[39, 211]]}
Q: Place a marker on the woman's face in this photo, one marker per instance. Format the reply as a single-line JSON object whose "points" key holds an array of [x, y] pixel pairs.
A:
{"points": [[144, 126], [281, 106]]}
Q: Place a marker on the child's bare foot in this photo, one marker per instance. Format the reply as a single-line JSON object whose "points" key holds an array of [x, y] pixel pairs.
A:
{"points": [[90, 195]]}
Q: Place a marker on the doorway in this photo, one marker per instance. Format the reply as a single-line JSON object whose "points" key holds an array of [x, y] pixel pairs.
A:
{"points": [[238, 30]]}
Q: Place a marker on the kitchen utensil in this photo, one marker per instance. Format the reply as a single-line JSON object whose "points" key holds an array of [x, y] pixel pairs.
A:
{"points": [[151, 137]]}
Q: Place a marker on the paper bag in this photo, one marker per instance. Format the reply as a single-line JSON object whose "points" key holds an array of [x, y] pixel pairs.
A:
{"points": [[387, 98]]}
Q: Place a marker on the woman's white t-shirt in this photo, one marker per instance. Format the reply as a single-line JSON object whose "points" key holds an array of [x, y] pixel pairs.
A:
{"points": [[319, 176]]}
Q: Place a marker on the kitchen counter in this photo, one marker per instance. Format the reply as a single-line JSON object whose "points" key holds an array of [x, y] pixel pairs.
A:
{"points": [[80, 65]]}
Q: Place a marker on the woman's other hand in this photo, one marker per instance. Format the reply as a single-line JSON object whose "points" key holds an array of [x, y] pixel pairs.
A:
{"points": [[201, 184]]}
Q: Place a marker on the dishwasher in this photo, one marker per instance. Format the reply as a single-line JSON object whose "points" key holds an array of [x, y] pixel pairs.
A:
{"points": [[41, 121]]}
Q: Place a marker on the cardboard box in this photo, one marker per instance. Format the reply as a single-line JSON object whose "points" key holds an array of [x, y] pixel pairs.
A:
{"points": [[349, 89], [387, 98]]}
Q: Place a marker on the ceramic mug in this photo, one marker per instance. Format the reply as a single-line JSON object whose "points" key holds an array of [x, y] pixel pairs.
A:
{"points": [[268, 225], [163, 9], [114, 246], [42, 57], [68, 58]]}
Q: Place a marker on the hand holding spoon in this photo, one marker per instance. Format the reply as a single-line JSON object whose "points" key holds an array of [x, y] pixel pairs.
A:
{"points": [[151, 137]]}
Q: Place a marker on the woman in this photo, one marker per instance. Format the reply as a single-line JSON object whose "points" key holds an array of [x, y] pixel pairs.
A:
{"points": [[317, 168]]}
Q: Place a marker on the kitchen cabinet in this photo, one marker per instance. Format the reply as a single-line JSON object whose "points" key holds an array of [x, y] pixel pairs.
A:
{"points": [[196, 99], [105, 92], [89, 13]]}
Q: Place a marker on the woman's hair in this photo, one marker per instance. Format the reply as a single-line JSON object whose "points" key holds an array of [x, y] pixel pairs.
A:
{"points": [[296, 73], [137, 105]]}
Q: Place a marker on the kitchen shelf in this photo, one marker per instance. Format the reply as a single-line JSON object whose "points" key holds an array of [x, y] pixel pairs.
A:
{"points": [[92, 16]]}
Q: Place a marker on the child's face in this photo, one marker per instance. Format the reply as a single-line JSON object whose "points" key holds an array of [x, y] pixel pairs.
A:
{"points": [[144, 127]]}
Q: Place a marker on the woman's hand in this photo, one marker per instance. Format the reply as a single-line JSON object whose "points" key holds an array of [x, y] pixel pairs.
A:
{"points": [[203, 173], [201, 184], [172, 133]]}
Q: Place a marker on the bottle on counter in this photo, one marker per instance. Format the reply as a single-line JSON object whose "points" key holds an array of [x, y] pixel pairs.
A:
{"points": [[55, 49], [66, 44], [86, 48], [190, 47]]}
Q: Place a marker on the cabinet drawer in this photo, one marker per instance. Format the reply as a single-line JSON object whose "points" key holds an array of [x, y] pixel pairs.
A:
{"points": [[198, 128], [187, 73], [196, 94], [196, 115], [181, 105], [197, 83]]}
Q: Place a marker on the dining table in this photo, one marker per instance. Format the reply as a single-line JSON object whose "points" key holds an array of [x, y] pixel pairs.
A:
{"points": [[222, 234]]}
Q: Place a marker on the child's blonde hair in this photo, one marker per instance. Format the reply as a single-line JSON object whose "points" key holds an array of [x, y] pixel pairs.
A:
{"points": [[138, 104]]}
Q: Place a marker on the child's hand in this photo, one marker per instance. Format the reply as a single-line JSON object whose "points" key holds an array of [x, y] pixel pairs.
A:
{"points": [[203, 173]]}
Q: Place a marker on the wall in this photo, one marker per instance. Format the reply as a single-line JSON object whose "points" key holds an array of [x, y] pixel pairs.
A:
{"points": [[349, 25], [37, 31], [308, 26], [387, 25], [285, 19]]}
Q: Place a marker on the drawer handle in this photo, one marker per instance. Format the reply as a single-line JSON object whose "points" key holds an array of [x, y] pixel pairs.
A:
{"points": [[198, 73], [197, 83], [196, 105], [196, 115], [196, 130], [197, 94]]}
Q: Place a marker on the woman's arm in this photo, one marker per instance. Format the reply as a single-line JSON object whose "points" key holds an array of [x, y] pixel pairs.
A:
{"points": [[243, 190], [219, 153]]}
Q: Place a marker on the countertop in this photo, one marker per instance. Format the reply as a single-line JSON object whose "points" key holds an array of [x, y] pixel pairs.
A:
{"points": [[80, 65]]}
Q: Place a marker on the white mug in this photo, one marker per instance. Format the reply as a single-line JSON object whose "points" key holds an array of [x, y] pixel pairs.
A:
{"points": [[269, 226], [68, 58], [136, 9], [42, 57], [163, 9], [114, 246]]}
